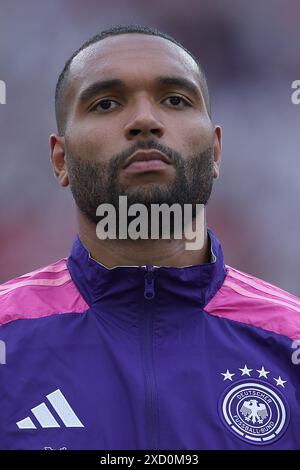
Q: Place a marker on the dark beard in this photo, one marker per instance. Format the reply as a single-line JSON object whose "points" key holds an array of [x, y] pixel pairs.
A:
{"points": [[95, 183]]}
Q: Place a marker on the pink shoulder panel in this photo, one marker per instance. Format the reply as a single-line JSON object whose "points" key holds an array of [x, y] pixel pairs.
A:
{"points": [[246, 299], [46, 291]]}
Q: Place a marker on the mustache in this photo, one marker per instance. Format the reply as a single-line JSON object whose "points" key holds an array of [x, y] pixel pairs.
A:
{"points": [[120, 159]]}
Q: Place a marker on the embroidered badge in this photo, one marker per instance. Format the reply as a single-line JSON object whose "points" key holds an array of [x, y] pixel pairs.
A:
{"points": [[252, 409]]}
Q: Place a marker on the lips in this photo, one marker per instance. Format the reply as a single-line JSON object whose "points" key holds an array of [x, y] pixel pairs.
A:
{"points": [[146, 155]]}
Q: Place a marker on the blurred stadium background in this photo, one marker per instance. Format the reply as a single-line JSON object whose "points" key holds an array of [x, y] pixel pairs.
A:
{"points": [[250, 51]]}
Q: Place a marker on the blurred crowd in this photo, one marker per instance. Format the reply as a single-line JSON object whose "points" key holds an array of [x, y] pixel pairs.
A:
{"points": [[250, 53]]}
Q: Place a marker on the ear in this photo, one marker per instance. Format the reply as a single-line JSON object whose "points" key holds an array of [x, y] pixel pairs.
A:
{"points": [[58, 160], [217, 147]]}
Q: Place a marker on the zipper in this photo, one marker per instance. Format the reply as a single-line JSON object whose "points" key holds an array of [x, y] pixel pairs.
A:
{"points": [[151, 398], [149, 292]]}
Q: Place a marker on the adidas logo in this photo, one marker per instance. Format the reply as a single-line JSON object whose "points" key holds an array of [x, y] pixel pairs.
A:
{"points": [[45, 417]]}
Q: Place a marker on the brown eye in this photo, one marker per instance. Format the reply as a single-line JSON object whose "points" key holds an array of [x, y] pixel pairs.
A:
{"points": [[105, 105], [177, 101]]}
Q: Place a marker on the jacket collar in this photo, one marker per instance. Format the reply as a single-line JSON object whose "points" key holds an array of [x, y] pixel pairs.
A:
{"points": [[125, 284]]}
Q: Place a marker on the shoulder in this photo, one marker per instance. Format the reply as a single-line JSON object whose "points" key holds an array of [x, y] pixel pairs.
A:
{"points": [[40, 293], [250, 300]]}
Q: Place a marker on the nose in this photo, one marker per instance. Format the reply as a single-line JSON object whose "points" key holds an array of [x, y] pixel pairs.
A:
{"points": [[144, 122]]}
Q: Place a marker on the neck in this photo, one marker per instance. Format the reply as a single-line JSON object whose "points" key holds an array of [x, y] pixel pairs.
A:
{"points": [[112, 253]]}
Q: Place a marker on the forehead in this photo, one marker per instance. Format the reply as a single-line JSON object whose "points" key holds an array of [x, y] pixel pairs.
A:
{"points": [[138, 57]]}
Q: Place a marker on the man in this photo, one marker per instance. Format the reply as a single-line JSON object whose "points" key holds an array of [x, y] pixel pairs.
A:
{"points": [[142, 343]]}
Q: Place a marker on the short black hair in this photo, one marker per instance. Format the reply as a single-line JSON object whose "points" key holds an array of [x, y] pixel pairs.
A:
{"points": [[115, 31]]}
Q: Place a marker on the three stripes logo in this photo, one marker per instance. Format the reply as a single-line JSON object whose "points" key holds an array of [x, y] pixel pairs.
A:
{"points": [[46, 418]]}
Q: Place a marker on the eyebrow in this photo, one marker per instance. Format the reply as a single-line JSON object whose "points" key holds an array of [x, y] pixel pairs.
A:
{"points": [[99, 87], [180, 82], [102, 86]]}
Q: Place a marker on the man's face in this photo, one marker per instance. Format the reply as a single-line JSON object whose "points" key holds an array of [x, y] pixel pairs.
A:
{"points": [[133, 92]]}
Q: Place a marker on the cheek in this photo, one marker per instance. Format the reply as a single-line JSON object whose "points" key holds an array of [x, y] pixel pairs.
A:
{"points": [[88, 142], [196, 137]]}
